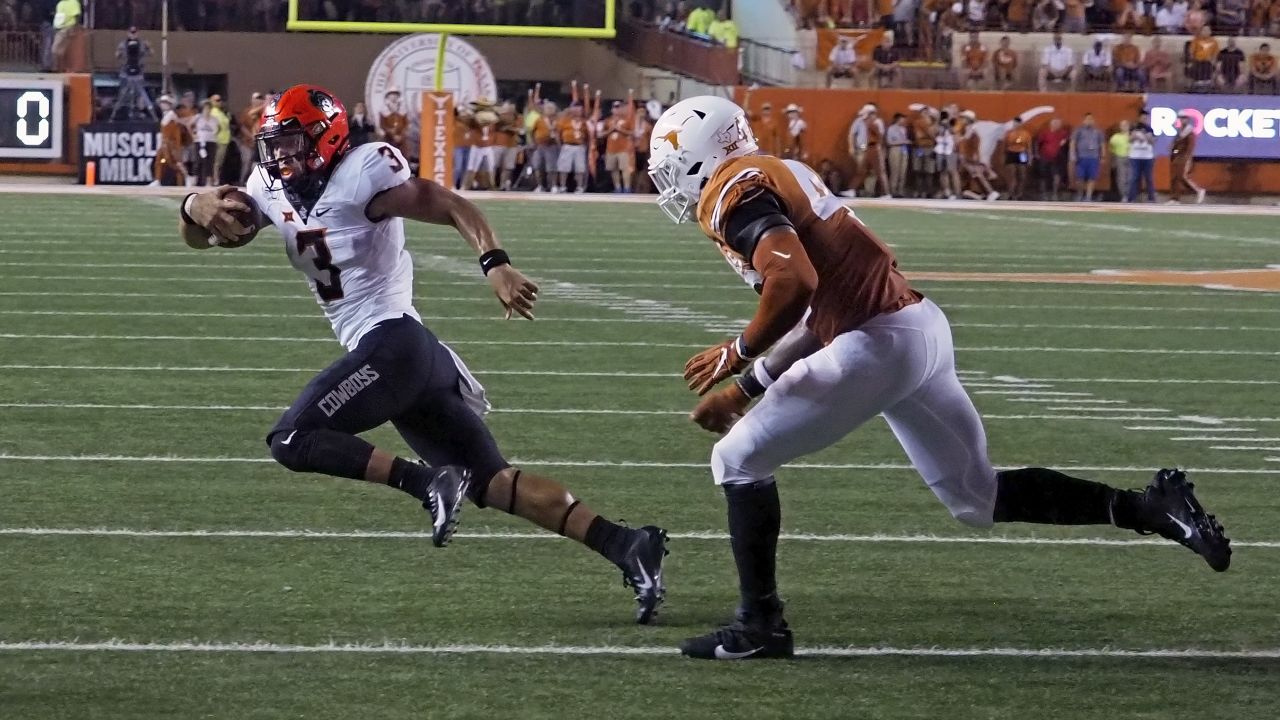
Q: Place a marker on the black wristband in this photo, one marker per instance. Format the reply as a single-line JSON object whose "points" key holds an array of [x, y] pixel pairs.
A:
{"points": [[182, 211], [749, 385], [493, 259]]}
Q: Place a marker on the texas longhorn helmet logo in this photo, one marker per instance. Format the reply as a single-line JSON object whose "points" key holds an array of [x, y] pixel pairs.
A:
{"points": [[672, 137]]}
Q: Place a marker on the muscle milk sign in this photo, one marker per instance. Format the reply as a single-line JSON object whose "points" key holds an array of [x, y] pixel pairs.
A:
{"points": [[1226, 126], [124, 152]]}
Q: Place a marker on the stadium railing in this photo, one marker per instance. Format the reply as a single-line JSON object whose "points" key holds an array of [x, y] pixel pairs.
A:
{"points": [[767, 64], [699, 59], [20, 49]]}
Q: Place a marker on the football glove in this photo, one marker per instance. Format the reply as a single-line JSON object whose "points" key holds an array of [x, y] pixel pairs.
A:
{"points": [[718, 411], [709, 367]]}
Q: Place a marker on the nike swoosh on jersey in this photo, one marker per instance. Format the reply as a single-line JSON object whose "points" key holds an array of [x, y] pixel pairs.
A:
{"points": [[722, 654], [786, 256], [318, 213]]}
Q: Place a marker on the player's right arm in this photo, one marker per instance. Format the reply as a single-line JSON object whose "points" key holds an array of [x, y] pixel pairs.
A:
{"points": [[209, 218]]}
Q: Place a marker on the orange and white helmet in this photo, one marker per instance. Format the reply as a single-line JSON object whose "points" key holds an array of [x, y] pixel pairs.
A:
{"points": [[688, 143]]}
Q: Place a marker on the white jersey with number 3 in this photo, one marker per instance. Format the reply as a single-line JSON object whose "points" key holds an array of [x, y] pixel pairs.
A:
{"points": [[359, 270]]}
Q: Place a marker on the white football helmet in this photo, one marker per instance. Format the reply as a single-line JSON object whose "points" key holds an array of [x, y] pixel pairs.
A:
{"points": [[688, 143]]}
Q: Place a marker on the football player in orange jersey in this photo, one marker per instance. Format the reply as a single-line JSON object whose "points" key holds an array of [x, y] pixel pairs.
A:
{"points": [[850, 339]]}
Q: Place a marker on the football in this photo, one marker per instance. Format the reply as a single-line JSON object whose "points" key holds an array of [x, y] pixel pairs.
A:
{"points": [[247, 219]]}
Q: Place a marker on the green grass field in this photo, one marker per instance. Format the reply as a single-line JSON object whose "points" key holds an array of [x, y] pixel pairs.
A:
{"points": [[140, 504]]}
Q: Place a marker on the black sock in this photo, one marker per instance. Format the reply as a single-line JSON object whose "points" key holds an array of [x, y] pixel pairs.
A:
{"points": [[1040, 495], [755, 518], [607, 538], [410, 477]]}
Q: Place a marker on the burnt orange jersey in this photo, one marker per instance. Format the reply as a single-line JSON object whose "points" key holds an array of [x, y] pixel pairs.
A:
{"points": [[1183, 148], [858, 275], [394, 126], [975, 56], [483, 135], [542, 131], [1005, 59], [969, 146], [1204, 49], [619, 136], [505, 133], [875, 133], [924, 132], [767, 135], [1126, 55], [463, 134], [1017, 140], [572, 131]]}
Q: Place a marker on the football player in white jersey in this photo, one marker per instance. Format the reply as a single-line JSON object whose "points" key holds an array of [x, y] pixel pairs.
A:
{"points": [[339, 210]]}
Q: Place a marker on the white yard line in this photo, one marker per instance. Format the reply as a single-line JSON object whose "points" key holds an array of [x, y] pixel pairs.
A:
{"points": [[715, 535], [388, 648], [1073, 408], [1116, 227], [602, 343], [1183, 428], [1250, 448], [1065, 467]]}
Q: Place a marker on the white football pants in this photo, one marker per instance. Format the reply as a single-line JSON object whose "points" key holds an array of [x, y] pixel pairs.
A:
{"points": [[902, 365]]}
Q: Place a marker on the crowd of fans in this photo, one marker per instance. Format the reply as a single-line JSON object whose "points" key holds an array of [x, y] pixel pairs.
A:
{"points": [[202, 143], [707, 20], [943, 154], [920, 17]]}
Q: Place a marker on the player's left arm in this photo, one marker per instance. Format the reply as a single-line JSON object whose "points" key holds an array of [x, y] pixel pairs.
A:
{"points": [[760, 230], [429, 202]]}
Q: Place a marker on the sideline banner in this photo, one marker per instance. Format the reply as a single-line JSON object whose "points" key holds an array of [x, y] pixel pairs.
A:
{"points": [[1227, 126], [436, 151], [124, 152]]}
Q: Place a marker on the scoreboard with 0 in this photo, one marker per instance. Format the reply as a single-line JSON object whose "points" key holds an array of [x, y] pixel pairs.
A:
{"points": [[31, 119]]}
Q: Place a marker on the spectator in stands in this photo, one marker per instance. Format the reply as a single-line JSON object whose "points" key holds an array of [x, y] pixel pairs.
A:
{"points": [[1073, 16], [876, 179], [1085, 156], [1157, 64], [463, 142], [1231, 16], [206, 132], [1052, 153], [951, 22], [974, 55], [1118, 145], [1230, 60], [699, 21], [924, 165], [1127, 59], [1168, 20], [571, 130], [1004, 64], [1045, 16], [1142, 158], [886, 60], [948, 159], [795, 139], [898, 139], [248, 124], [546, 152], [764, 125], [1273, 20], [1196, 19], [841, 60], [1096, 65], [976, 14], [362, 128], [393, 128], [1017, 156], [1204, 54], [1128, 17], [903, 17], [223, 139], [1016, 15], [668, 17], [1262, 71], [1057, 64], [66, 16], [1258, 11], [723, 30], [619, 146]]}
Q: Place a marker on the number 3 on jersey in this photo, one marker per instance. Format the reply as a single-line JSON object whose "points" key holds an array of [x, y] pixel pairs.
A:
{"points": [[326, 274]]}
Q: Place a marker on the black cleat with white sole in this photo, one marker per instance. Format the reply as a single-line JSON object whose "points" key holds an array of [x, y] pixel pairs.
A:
{"points": [[743, 639], [444, 501], [1169, 508], [642, 570]]}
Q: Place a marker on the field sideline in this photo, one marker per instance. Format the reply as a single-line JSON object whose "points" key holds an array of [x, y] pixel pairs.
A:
{"points": [[157, 563]]}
